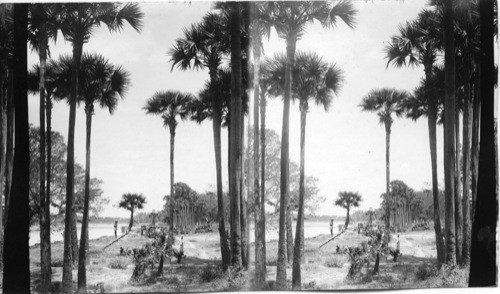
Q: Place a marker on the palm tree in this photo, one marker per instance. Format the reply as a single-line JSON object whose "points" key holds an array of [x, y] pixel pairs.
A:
{"points": [[170, 105], [204, 46], [132, 202], [418, 42], [78, 22], [102, 83], [16, 273], [484, 226], [385, 102], [42, 26], [347, 200], [449, 131], [317, 80], [291, 19]]}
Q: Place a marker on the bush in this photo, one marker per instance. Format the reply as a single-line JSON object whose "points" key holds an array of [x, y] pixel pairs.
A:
{"points": [[117, 264], [335, 261], [211, 272], [425, 271]]}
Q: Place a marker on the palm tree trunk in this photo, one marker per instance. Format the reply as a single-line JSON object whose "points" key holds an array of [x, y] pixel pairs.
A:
{"points": [[44, 222], [243, 203], [131, 223], [74, 238], [285, 161], [449, 133], [458, 199], [388, 171], [467, 122], [16, 272], [297, 256], [260, 258], [172, 183], [48, 112], [483, 266], [476, 117], [82, 257], [289, 235], [216, 125], [235, 135], [431, 120], [263, 182], [9, 154], [67, 284], [3, 145]]}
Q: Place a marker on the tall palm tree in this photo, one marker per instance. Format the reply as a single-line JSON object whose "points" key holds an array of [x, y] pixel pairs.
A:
{"points": [[170, 105], [42, 26], [203, 46], [16, 273], [259, 28], [418, 43], [291, 20], [449, 131], [235, 150], [104, 84], [316, 80], [385, 102], [78, 22]]}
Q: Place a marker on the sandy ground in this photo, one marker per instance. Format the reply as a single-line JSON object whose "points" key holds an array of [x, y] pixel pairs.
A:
{"points": [[322, 269]]}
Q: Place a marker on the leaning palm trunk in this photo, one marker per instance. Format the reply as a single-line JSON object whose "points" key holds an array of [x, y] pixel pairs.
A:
{"points": [[467, 122], [67, 279], [83, 254], [449, 133], [48, 113], [457, 198], [235, 136], [284, 166], [260, 258], [9, 153], [297, 255], [289, 234], [74, 238], [44, 217], [243, 204]]}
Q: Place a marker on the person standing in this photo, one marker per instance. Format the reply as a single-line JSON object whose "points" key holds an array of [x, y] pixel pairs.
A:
{"points": [[116, 228], [331, 227]]}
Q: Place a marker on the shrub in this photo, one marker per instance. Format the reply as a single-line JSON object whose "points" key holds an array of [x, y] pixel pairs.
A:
{"points": [[425, 271], [211, 272], [117, 263], [335, 261]]}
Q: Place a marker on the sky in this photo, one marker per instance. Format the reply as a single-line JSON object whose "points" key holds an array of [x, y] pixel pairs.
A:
{"points": [[345, 148]]}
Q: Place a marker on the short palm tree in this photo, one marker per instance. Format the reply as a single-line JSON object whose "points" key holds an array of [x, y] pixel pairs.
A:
{"points": [[170, 105], [348, 200], [78, 22], [104, 84], [132, 202], [291, 20], [385, 102]]}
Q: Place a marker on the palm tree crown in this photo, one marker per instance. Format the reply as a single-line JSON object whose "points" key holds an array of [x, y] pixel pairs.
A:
{"points": [[169, 104], [385, 102]]}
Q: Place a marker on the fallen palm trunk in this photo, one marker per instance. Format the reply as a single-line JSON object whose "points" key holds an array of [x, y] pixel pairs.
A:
{"points": [[332, 239], [115, 241]]}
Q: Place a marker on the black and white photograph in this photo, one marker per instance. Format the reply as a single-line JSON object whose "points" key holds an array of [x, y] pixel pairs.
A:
{"points": [[203, 146]]}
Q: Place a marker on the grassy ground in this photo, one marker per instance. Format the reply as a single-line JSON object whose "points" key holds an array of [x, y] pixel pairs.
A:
{"points": [[323, 269]]}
